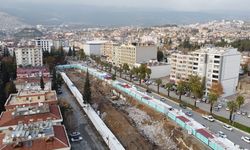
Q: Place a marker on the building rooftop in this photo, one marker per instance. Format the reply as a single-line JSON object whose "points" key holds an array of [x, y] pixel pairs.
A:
{"points": [[38, 135], [27, 97], [26, 114]]}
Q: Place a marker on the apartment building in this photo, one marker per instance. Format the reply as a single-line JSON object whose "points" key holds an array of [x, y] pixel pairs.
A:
{"points": [[215, 64], [131, 54], [29, 56], [106, 50], [44, 44], [93, 47]]}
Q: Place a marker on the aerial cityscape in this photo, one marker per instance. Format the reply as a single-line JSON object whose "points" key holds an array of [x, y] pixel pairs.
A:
{"points": [[134, 75]]}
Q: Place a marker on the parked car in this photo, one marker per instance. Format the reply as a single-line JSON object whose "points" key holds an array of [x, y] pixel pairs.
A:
{"points": [[183, 105], [216, 108], [239, 112], [246, 139], [163, 99], [189, 113], [148, 91], [76, 133], [219, 105], [221, 134], [208, 117], [248, 116], [244, 113], [76, 138], [227, 127], [227, 109]]}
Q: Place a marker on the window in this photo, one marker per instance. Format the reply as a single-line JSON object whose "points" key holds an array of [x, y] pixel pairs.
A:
{"points": [[215, 76], [215, 71], [216, 56], [216, 61]]}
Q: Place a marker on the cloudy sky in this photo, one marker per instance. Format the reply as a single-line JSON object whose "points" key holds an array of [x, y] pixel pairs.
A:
{"points": [[180, 5]]}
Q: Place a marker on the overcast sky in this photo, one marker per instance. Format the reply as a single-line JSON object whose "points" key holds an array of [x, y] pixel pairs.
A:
{"points": [[180, 5]]}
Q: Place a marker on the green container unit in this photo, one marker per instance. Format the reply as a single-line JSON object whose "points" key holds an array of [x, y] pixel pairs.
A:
{"points": [[203, 135], [171, 115], [181, 120], [215, 146], [189, 128]]}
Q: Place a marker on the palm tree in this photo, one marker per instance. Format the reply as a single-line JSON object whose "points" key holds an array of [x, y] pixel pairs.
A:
{"points": [[196, 88], [240, 100], [158, 82], [120, 70], [125, 67], [169, 86], [115, 68], [212, 97], [131, 73], [232, 108], [148, 73], [181, 88]]}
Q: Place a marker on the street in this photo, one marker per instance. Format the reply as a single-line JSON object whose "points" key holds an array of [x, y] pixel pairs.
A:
{"points": [[91, 139]]}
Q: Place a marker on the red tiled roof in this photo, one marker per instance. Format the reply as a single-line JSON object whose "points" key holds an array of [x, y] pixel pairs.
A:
{"points": [[182, 118], [59, 141], [205, 133], [7, 119]]}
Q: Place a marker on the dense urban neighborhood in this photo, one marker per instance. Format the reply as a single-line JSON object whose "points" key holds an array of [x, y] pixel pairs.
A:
{"points": [[170, 86]]}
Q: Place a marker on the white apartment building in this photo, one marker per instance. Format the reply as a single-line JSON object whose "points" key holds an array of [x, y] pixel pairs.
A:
{"points": [[93, 47], [29, 55], [44, 44], [216, 64], [131, 54]]}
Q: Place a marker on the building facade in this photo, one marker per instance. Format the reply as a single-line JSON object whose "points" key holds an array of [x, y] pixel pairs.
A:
{"points": [[93, 47], [131, 54], [44, 44], [29, 56], [212, 63]]}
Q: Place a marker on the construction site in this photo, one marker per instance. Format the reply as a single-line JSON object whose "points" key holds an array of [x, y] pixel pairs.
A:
{"points": [[135, 125]]}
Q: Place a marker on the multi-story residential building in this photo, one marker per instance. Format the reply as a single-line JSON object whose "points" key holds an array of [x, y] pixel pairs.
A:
{"points": [[29, 78], [29, 56], [215, 64], [131, 54], [44, 44], [94, 47], [106, 50]]}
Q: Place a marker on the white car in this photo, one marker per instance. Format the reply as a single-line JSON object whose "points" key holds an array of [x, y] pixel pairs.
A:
{"points": [[76, 138], [248, 116], [246, 139], [209, 118], [228, 127], [219, 105], [221, 134], [227, 109]]}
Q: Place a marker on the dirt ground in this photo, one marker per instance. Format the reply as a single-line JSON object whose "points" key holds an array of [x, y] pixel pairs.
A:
{"points": [[125, 129]]}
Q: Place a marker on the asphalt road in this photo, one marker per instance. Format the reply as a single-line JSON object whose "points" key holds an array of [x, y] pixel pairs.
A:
{"points": [[91, 138]]}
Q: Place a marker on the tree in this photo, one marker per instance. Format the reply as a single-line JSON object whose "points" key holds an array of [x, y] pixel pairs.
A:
{"points": [[196, 87], [182, 87], [232, 108], [160, 55], [148, 72], [158, 82], [169, 86], [82, 55], [42, 83], [240, 101], [113, 77], [87, 90], [120, 71], [9, 88], [59, 80], [54, 81], [74, 51], [212, 97], [70, 52], [125, 67], [217, 88], [115, 68]]}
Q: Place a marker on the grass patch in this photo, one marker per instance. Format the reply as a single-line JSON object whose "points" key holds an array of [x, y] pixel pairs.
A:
{"points": [[235, 124]]}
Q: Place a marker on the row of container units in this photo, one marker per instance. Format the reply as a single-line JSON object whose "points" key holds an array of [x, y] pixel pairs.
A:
{"points": [[190, 125]]}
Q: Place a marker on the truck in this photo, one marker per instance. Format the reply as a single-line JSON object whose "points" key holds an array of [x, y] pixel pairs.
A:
{"points": [[208, 117]]}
